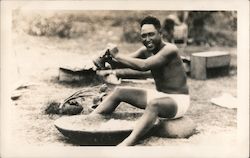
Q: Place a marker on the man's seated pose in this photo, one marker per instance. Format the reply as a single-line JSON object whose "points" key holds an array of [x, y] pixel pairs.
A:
{"points": [[170, 99]]}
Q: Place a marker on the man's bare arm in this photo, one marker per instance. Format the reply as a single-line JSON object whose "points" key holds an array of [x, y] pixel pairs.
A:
{"points": [[137, 54], [140, 53], [161, 58]]}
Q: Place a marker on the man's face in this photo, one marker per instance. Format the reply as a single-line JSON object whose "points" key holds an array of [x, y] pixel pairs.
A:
{"points": [[151, 38]]}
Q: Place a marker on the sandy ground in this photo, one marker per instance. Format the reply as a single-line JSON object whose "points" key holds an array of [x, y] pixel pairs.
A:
{"points": [[36, 62]]}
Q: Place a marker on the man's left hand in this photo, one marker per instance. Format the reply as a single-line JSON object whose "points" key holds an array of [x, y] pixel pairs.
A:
{"points": [[113, 50]]}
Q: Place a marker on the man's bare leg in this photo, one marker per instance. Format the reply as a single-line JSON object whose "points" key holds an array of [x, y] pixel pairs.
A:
{"points": [[163, 107], [133, 96]]}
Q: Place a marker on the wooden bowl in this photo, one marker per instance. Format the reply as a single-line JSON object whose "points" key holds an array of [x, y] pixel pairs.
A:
{"points": [[97, 129]]}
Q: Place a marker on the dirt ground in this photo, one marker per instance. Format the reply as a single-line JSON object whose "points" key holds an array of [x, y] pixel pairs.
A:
{"points": [[37, 59]]}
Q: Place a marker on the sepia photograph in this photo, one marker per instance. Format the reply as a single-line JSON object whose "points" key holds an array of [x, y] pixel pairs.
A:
{"points": [[97, 77]]}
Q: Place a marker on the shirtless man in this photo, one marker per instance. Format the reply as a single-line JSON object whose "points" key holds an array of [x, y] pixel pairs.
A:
{"points": [[171, 97]]}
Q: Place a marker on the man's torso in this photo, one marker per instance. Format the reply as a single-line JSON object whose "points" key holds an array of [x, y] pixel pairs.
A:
{"points": [[171, 76]]}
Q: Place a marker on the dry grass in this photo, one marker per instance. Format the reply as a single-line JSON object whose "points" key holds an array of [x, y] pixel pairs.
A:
{"points": [[32, 126]]}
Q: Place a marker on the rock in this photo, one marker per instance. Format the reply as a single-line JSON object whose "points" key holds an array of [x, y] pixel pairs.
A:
{"points": [[73, 107], [71, 110], [15, 95], [183, 127], [98, 99], [52, 107], [103, 88]]}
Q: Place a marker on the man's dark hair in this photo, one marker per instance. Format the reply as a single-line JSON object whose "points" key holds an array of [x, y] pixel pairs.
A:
{"points": [[152, 20]]}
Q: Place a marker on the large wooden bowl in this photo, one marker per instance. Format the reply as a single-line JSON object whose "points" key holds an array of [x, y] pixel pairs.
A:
{"points": [[97, 129]]}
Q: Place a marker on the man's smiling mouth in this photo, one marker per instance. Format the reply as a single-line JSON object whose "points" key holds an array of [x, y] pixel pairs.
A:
{"points": [[150, 44]]}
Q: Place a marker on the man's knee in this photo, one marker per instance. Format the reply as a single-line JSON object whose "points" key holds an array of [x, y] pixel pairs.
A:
{"points": [[153, 105], [118, 90]]}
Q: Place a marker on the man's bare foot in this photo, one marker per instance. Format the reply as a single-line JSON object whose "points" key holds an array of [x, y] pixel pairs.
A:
{"points": [[127, 142], [95, 117]]}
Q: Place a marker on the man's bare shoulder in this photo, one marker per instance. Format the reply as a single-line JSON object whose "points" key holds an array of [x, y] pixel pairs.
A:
{"points": [[170, 48]]}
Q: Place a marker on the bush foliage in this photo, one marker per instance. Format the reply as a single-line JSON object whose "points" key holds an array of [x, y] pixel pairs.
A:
{"points": [[213, 28], [205, 27]]}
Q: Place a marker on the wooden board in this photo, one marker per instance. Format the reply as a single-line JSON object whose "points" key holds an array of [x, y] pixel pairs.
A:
{"points": [[198, 68], [69, 75], [200, 62]]}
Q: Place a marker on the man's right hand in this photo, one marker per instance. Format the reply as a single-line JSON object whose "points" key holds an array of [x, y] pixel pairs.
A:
{"points": [[104, 73], [109, 76]]}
